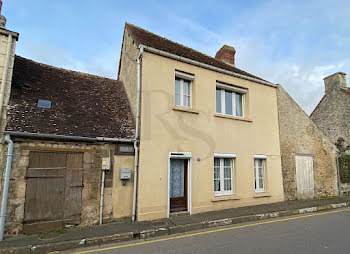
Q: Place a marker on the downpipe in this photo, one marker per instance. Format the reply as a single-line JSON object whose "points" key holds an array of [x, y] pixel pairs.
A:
{"points": [[137, 133], [136, 149], [6, 185], [340, 193], [102, 195]]}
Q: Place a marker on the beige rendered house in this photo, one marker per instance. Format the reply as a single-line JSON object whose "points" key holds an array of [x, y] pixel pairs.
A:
{"points": [[208, 131]]}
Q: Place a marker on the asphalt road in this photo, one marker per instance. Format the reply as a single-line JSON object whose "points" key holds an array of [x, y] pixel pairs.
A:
{"points": [[325, 232]]}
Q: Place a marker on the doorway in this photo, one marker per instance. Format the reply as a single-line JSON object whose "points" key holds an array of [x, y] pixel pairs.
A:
{"points": [[305, 176], [54, 190], [178, 189]]}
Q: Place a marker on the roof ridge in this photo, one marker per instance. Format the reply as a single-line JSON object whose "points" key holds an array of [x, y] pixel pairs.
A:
{"points": [[129, 25], [63, 69], [172, 41]]}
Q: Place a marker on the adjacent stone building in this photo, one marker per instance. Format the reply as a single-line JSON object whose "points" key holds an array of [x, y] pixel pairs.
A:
{"points": [[308, 156], [67, 127], [332, 114], [8, 41]]}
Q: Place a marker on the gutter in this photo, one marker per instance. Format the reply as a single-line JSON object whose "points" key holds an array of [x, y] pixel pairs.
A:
{"points": [[5, 73], [137, 132], [75, 138], [6, 185], [203, 65]]}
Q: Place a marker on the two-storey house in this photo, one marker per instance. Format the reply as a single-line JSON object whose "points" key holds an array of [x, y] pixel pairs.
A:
{"points": [[208, 131]]}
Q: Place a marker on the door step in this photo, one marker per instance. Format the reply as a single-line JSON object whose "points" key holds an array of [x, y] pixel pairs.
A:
{"points": [[183, 213]]}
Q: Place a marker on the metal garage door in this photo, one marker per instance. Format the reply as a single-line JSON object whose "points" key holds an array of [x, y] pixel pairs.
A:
{"points": [[53, 193]]}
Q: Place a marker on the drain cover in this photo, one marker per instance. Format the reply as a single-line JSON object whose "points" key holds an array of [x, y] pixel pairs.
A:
{"points": [[159, 224]]}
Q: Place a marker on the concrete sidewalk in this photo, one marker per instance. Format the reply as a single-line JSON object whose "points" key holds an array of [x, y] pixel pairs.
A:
{"points": [[116, 232]]}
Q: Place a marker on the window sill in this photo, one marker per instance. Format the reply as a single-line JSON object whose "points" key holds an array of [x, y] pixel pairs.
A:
{"points": [[183, 109], [232, 117], [261, 194], [224, 198]]}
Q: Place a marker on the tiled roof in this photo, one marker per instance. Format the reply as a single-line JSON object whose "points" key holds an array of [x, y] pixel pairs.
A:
{"points": [[345, 90], [317, 106], [82, 104], [147, 38]]}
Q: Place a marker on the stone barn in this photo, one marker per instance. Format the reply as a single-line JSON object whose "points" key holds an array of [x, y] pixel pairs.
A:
{"points": [[67, 128], [308, 156]]}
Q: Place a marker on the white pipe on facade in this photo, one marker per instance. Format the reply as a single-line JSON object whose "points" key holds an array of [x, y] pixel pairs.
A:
{"points": [[203, 65], [137, 132], [102, 192], [6, 185], [5, 72]]}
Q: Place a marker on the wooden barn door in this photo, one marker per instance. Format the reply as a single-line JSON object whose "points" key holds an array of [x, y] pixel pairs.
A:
{"points": [[53, 193], [305, 177], [74, 185]]}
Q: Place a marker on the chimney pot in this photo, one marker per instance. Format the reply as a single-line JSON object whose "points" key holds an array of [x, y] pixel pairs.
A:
{"points": [[226, 54]]}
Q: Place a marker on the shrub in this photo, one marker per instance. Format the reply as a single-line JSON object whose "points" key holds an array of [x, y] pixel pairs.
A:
{"points": [[344, 168]]}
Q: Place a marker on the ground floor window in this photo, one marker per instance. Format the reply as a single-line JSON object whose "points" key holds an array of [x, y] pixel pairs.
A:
{"points": [[259, 175], [223, 176]]}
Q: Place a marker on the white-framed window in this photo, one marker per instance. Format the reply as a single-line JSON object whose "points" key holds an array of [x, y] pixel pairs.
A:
{"points": [[183, 89], [223, 176], [230, 100], [259, 174]]}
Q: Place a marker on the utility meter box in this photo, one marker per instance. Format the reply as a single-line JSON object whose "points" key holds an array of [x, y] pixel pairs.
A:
{"points": [[106, 163], [125, 173]]}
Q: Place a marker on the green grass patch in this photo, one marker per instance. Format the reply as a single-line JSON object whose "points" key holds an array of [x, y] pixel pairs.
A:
{"points": [[328, 197], [52, 234]]}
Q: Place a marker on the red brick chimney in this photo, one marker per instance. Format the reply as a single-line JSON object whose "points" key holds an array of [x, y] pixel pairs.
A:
{"points": [[226, 54]]}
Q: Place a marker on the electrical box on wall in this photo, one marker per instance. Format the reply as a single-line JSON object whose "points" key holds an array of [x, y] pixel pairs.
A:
{"points": [[125, 173], [106, 163]]}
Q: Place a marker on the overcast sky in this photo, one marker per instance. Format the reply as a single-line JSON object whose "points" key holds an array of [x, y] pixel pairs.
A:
{"points": [[293, 43]]}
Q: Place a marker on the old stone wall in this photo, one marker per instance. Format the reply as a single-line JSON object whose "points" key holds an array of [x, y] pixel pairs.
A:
{"points": [[128, 69], [332, 115], [300, 135], [3, 117], [92, 161]]}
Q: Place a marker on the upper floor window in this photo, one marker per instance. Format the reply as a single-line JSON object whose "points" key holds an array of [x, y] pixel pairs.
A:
{"points": [[230, 100], [183, 89]]}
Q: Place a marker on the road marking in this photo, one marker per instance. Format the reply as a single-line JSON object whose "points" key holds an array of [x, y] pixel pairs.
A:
{"points": [[208, 232]]}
